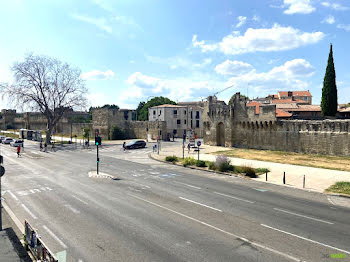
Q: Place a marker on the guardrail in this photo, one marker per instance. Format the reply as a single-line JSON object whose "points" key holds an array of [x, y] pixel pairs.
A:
{"points": [[37, 247]]}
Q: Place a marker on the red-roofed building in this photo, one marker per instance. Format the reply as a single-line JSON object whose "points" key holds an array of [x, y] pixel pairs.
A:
{"points": [[296, 95]]}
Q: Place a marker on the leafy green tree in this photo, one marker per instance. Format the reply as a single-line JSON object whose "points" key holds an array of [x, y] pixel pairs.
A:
{"points": [[329, 103], [156, 101], [233, 98], [139, 107]]}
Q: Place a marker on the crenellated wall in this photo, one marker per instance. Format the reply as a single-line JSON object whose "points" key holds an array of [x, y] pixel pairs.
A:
{"points": [[247, 127]]}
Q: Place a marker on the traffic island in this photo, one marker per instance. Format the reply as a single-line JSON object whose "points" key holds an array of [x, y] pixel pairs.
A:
{"points": [[100, 175]]}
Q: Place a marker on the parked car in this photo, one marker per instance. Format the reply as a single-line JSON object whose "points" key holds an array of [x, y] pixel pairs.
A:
{"points": [[17, 142], [136, 144], [7, 140], [2, 138]]}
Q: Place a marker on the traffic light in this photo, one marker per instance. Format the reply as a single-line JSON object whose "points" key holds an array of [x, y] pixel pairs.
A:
{"points": [[98, 140]]}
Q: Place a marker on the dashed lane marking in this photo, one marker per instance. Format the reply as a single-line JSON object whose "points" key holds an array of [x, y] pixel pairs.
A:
{"points": [[55, 237], [194, 202], [29, 212]]}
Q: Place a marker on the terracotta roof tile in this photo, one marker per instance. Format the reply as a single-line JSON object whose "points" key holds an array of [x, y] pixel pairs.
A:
{"points": [[167, 105], [281, 113], [294, 93], [256, 104]]}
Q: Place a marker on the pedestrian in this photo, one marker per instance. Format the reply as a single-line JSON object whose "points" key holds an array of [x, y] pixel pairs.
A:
{"points": [[45, 146], [41, 146], [189, 147], [124, 146], [53, 147], [155, 148], [18, 151]]}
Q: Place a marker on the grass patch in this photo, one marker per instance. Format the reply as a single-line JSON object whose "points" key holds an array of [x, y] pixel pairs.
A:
{"points": [[172, 159], [15, 136], [320, 161], [211, 165], [260, 170], [340, 187], [247, 170]]}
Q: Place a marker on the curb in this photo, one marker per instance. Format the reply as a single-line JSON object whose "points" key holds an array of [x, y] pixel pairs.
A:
{"points": [[310, 190], [338, 195]]}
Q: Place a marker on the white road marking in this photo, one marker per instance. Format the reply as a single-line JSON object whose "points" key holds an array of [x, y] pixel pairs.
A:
{"points": [[196, 187], [261, 190], [13, 195], [200, 204], [141, 184], [80, 200], [73, 209], [29, 212], [310, 240], [55, 237], [237, 198], [219, 229], [295, 214]]}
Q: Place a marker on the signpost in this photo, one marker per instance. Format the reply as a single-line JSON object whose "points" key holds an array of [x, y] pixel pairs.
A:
{"points": [[198, 144], [2, 172], [98, 141]]}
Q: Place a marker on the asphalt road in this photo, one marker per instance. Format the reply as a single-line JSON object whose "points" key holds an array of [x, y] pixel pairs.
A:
{"points": [[152, 211]]}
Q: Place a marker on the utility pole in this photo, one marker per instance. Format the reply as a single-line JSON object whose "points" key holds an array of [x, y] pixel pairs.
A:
{"points": [[2, 172]]}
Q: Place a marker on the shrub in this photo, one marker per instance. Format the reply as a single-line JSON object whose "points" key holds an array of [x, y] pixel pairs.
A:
{"points": [[172, 159], [247, 170], [201, 163], [189, 161], [211, 165], [222, 163], [261, 170], [117, 134]]}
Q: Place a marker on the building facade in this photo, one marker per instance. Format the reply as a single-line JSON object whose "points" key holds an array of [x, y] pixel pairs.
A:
{"points": [[178, 118]]}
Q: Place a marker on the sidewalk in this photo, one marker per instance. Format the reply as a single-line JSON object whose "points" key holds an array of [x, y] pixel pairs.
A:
{"points": [[11, 248], [316, 179]]}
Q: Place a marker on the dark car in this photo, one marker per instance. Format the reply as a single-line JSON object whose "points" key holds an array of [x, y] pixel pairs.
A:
{"points": [[136, 144]]}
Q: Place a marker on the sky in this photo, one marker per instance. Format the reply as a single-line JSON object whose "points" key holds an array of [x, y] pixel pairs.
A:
{"points": [[130, 51]]}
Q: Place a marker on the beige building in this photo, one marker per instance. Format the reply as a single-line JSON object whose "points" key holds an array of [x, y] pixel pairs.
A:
{"points": [[178, 118]]}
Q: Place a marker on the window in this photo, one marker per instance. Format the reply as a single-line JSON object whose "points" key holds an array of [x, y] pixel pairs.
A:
{"points": [[191, 124], [185, 122], [191, 114], [185, 112], [154, 112], [160, 112], [179, 122], [197, 123], [174, 131], [175, 112], [197, 114]]}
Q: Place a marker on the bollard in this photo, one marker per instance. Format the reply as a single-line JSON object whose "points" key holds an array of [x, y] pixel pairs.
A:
{"points": [[304, 182], [284, 178], [266, 176]]}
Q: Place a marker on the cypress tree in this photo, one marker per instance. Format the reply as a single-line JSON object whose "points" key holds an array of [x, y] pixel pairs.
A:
{"points": [[329, 102]]}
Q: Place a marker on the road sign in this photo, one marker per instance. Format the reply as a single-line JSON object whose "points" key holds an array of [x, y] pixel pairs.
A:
{"points": [[199, 143], [2, 170]]}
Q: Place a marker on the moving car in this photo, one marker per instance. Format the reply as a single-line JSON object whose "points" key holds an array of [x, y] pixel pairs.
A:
{"points": [[2, 138], [136, 144], [17, 142], [7, 140]]}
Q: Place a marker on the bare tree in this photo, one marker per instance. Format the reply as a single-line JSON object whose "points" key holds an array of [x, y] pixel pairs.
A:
{"points": [[47, 85]]}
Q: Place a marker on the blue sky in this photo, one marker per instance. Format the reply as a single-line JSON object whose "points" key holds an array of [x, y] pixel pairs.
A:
{"points": [[129, 51]]}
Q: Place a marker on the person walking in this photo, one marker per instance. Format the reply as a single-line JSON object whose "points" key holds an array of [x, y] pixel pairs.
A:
{"points": [[41, 146], [18, 151], [124, 146], [189, 147], [45, 147]]}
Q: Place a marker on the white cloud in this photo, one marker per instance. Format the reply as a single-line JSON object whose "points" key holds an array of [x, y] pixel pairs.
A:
{"points": [[241, 21], [329, 20], [256, 18], [345, 27], [233, 68], [298, 7], [335, 6], [97, 75], [291, 75], [101, 23], [277, 38]]}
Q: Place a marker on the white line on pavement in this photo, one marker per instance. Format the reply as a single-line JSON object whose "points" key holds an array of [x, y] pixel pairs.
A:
{"points": [[29, 212], [80, 200], [141, 184], [73, 209], [310, 240], [13, 195], [220, 230], [241, 199], [55, 237], [288, 212], [200, 204], [196, 187], [13, 216]]}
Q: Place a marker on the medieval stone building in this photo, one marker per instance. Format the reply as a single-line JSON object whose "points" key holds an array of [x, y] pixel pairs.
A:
{"points": [[260, 127]]}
